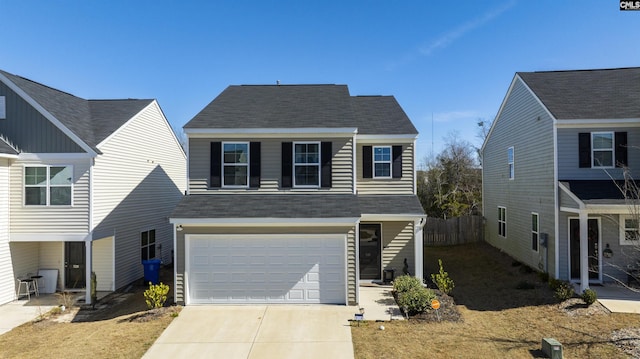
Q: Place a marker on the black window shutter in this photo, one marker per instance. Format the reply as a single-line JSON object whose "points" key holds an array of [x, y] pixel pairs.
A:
{"points": [[621, 149], [367, 162], [584, 149], [326, 154], [254, 164], [396, 153], [216, 165], [287, 164]]}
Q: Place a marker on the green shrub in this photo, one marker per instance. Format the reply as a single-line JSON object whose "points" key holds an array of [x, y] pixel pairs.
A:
{"points": [[554, 283], [589, 296], [156, 295], [442, 280], [405, 283], [544, 277], [417, 300], [564, 291]]}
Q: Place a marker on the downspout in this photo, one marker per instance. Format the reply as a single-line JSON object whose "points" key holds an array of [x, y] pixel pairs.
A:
{"points": [[556, 207], [357, 261]]}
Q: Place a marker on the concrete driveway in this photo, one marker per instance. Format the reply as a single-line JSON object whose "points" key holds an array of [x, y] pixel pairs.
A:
{"points": [[257, 331]]}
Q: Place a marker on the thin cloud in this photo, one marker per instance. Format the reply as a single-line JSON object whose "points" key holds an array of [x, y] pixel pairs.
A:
{"points": [[448, 38]]}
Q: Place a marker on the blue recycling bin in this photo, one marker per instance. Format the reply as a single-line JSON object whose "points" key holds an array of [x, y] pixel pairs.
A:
{"points": [[151, 271]]}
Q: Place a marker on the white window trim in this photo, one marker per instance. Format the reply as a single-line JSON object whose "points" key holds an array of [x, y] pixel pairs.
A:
{"points": [[536, 232], [390, 162], [47, 187], [504, 234], [236, 164], [293, 153], [613, 152], [511, 162], [623, 230]]}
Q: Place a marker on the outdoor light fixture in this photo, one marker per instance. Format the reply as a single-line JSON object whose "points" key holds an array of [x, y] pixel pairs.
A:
{"points": [[607, 253], [179, 228]]}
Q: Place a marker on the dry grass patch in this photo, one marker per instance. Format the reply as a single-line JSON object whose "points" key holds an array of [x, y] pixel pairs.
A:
{"points": [[120, 327], [498, 320]]}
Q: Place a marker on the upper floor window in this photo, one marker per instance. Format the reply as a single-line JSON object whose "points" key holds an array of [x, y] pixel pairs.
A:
{"points": [[306, 164], [602, 149], [511, 162], [382, 161], [3, 108], [535, 231], [629, 230], [502, 221], [236, 164], [148, 244], [48, 185]]}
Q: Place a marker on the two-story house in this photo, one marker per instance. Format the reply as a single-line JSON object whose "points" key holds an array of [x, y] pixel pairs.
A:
{"points": [[85, 186], [297, 194], [553, 166]]}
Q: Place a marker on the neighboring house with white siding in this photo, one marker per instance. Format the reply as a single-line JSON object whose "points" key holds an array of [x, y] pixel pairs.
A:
{"points": [[552, 161], [296, 194], [83, 183]]}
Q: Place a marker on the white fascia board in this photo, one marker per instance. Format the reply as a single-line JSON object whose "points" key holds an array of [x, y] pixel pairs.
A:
{"points": [[263, 222], [570, 210], [607, 209], [54, 156], [7, 155], [375, 139], [392, 217], [594, 123], [572, 195], [47, 115], [49, 237], [270, 132]]}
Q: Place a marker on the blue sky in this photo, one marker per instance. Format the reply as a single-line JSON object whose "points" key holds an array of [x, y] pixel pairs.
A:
{"points": [[450, 61]]}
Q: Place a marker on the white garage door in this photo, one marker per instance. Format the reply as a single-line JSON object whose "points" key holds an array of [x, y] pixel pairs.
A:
{"points": [[265, 269]]}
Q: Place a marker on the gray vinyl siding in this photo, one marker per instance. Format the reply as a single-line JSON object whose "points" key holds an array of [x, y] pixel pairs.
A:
{"points": [[404, 185], [568, 154], [397, 244], [72, 219], [7, 278], [29, 130], [525, 125], [138, 180], [271, 166], [24, 256], [348, 231], [566, 200]]}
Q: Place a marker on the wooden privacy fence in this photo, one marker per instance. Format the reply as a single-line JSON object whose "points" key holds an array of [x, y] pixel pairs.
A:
{"points": [[452, 231]]}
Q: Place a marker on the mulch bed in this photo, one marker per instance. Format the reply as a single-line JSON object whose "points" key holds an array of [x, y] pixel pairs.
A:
{"points": [[448, 311]]}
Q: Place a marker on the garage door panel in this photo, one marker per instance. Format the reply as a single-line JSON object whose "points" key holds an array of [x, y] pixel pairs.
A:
{"points": [[266, 269]]}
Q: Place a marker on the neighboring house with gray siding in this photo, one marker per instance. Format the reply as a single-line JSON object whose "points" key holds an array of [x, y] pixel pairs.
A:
{"points": [[297, 194], [552, 165], [83, 183]]}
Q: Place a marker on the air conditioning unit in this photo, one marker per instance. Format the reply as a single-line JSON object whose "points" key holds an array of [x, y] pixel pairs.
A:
{"points": [[552, 348]]}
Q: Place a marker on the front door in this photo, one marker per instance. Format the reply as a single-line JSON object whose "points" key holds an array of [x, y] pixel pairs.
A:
{"points": [[370, 251], [74, 265], [593, 239]]}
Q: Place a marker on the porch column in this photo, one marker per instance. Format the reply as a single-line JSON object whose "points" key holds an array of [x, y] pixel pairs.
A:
{"points": [[418, 247], [584, 251], [88, 265]]}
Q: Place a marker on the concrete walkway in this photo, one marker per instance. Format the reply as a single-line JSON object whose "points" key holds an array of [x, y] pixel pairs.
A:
{"points": [[21, 311], [378, 303], [618, 299], [257, 331]]}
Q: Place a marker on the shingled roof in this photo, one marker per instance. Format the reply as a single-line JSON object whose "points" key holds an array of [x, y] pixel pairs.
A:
{"points": [[588, 94], [91, 120], [302, 106]]}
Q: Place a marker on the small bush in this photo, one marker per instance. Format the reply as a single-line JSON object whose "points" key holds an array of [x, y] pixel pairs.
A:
{"points": [[589, 296], [525, 269], [564, 291], [416, 301], [442, 280], [516, 263], [405, 283], [156, 295], [525, 285], [554, 283]]}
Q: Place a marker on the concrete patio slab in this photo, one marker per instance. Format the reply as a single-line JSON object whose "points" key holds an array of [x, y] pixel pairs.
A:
{"points": [[379, 304], [273, 331], [618, 299], [18, 312]]}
